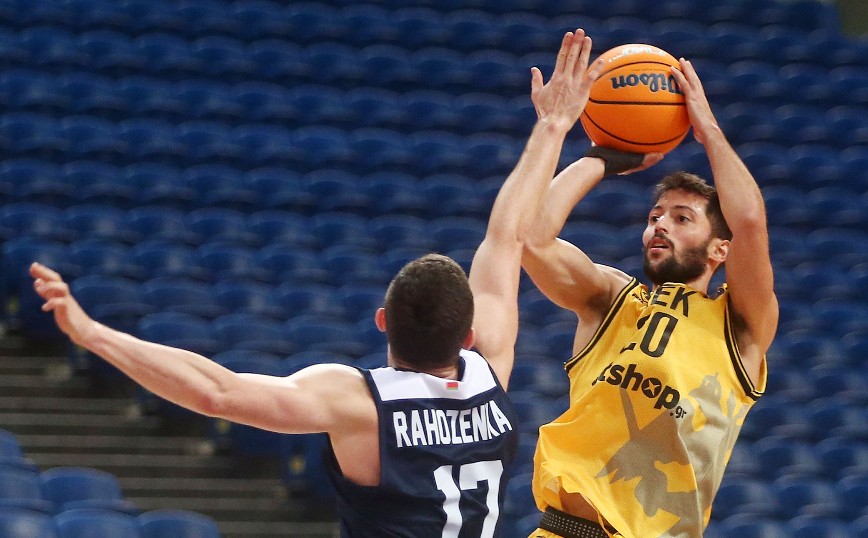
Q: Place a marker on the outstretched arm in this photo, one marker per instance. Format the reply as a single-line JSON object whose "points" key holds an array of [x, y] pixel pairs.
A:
{"points": [[496, 268], [313, 400], [749, 272]]}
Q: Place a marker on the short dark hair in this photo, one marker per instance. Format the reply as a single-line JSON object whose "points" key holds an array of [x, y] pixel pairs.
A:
{"points": [[692, 183], [429, 312]]}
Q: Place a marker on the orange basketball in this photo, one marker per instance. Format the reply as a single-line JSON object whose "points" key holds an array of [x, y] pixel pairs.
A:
{"points": [[636, 104]]}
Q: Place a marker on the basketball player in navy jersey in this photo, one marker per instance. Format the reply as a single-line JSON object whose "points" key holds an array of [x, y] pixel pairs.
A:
{"points": [[419, 449]]}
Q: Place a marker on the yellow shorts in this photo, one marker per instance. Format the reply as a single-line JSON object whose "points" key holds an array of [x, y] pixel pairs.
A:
{"points": [[539, 533]]}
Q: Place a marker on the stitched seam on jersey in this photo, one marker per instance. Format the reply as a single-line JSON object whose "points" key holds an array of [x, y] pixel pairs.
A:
{"points": [[613, 310]]}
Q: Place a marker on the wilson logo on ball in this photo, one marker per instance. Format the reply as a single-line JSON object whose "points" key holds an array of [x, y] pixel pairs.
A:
{"points": [[636, 104]]}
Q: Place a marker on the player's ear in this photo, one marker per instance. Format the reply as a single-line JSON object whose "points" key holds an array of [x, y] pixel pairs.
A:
{"points": [[719, 249], [380, 319], [470, 339]]}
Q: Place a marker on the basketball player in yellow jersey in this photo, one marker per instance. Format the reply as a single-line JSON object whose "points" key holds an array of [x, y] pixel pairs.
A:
{"points": [[662, 377]]}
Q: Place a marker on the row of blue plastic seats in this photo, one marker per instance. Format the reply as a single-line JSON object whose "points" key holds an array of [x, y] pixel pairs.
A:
{"points": [[86, 523], [832, 413], [804, 526], [256, 145], [429, 21], [439, 65], [758, 117]]}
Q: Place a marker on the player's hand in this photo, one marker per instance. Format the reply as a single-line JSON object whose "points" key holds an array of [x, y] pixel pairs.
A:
{"points": [[623, 163], [68, 314], [563, 98], [701, 117]]}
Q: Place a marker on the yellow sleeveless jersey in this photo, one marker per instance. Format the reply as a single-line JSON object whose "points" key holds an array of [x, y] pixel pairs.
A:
{"points": [[657, 399]]}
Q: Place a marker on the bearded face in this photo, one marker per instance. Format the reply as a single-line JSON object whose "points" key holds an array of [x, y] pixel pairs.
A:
{"points": [[662, 263]]}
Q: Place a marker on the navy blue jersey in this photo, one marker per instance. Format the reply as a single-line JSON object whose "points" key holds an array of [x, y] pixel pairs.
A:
{"points": [[445, 447]]}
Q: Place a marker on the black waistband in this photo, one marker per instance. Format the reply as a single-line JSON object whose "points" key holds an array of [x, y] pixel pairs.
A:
{"points": [[570, 526]]}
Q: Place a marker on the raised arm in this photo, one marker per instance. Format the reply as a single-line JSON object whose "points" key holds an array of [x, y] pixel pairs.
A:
{"points": [[496, 268], [749, 273], [316, 399]]}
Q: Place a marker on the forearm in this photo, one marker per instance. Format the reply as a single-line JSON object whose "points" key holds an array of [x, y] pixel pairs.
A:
{"points": [[564, 193], [740, 198], [183, 377], [517, 202]]}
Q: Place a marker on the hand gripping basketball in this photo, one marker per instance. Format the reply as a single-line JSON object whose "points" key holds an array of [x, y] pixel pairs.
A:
{"points": [[617, 161]]}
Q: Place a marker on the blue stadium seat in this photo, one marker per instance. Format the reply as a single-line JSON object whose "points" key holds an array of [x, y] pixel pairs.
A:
{"points": [[286, 228], [151, 98], [748, 497], [109, 52], [390, 65], [751, 526], [842, 457], [779, 456], [312, 22], [518, 501], [395, 230], [353, 265], [90, 137], [20, 489], [417, 27], [175, 523], [259, 19], [396, 192], [336, 190], [260, 101], [451, 233], [222, 186], [334, 63], [367, 24], [153, 139], [36, 221], [800, 495], [11, 453], [268, 146], [834, 417], [777, 417], [246, 296], [277, 60], [27, 134], [852, 490], [24, 523], [204, 19], [293, 265], [33, 91], [786, 206], [84, 487], [50, 47], [532, 410], [313, 332], [217, 225], [254, 332], [222, 57], [811, 526], [840, 381], [473, 30], [380, 150], [180, 329], [361, 301], [479, 111], [168, 55], [210, 100], [208, 142], [141, 16], [98, 221], [162, 224], [536, 34], [180, 294], [104, 257], [91, 522], [446, 68], [840, 206], [543, 377], [223, 260]]}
